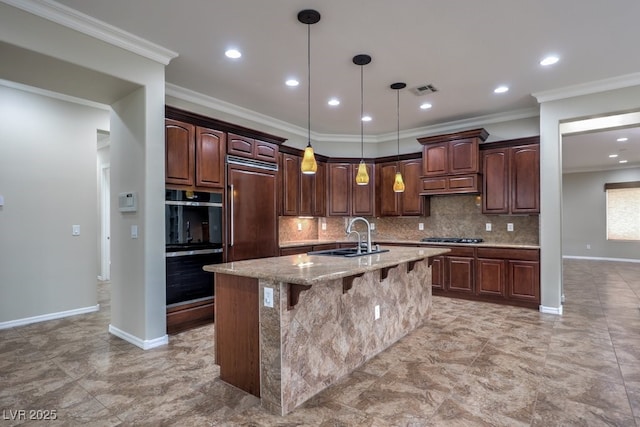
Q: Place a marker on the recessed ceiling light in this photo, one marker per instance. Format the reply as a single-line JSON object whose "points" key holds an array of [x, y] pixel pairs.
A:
{"points": [[292, 83], [233, 53], [366, 118], [622, 139], [501, 89], [333, 102], [426, 106], [549, 60], [613, 156], [622, 161]]}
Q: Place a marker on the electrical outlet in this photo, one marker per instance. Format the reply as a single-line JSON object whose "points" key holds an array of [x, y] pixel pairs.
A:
{"points": [[421, 226], [487, 226], [268, 297], [588, 246], [376, 312], [134, 231], [323, 225], [510, 226], [373, 226], [299, 226]]}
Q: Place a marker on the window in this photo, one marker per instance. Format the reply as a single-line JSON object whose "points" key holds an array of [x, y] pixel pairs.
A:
{"points": [[623, 210]]}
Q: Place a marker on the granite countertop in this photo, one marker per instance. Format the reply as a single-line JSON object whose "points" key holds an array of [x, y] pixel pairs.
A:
{"points": [[412, 242], [310, 269]]}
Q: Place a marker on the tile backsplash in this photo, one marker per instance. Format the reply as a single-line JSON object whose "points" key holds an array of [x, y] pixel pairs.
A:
{"points": [[451, 216]]}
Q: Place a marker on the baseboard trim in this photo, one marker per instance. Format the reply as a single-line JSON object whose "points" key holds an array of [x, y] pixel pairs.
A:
{"points": [[551, 310], [591, 258], [50, 316], [139, 342]]}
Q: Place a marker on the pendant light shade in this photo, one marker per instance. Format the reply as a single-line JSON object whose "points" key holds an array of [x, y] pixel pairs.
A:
{"points": [[308, 165], [398, 183], [362, 177]]}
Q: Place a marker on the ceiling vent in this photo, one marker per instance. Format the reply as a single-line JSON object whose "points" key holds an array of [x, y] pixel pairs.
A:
{"points": [[424, 89]]}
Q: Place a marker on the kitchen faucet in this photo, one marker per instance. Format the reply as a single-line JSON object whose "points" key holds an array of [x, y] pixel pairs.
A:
{"points": [[349, 231]]}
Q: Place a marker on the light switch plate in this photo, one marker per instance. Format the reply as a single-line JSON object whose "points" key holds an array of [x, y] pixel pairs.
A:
{"points": [[510, 226], [376, 312], [299, 226], [487, 226], [134, 231], [75, 230], [421, 226], [268, 297]]}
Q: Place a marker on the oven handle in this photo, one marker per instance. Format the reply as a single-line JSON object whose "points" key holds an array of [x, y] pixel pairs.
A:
{"points": [[231, 215], [195, 252]]}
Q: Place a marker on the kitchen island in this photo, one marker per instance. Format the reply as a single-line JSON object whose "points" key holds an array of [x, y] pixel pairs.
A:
{"points": [[288, 327]]}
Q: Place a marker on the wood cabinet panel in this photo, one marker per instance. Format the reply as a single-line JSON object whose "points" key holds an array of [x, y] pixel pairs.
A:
{"points": [[210, 151], [339, 189], [407, 203], [388, 200], [237, 331], [320, 190], [459, 274], [363, 196], [491, 277], [463, 156], [296, 250], [435, 159], [179, 153], [525, 179], [265, 151], [411, 202], [524, 280], [437, 272], [495, 187], [290, 174], [239, 145]]}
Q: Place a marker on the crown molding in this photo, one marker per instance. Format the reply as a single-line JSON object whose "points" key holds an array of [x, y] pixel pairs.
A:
{"points": [[589, 88], [55, 95], [244, 113], [90, 26]]}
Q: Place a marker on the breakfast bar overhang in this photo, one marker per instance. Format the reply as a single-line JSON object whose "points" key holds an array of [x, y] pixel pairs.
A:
{"points": [[288, 327]]}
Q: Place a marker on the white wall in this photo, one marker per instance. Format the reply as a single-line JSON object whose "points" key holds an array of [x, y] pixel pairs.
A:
{"points": [[584, 215], [48, 180]]}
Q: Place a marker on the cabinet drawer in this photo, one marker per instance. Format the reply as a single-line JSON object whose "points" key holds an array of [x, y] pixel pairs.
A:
{"points": [[432, 184], [450, 184], [463, 183], [512, 254], [295, 250]]}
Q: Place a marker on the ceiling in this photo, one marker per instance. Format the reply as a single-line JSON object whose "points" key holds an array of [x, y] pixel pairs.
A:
{"points": [[464, 48]]}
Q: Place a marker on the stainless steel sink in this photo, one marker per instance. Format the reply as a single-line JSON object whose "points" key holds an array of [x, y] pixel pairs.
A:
{"points": [[347, 252]]}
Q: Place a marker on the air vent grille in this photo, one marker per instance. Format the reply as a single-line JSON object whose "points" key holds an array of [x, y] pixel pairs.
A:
{"points": [[424, 89]]}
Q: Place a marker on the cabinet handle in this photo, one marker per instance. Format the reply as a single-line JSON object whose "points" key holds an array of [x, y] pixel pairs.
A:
{"points": [[231, 226]]}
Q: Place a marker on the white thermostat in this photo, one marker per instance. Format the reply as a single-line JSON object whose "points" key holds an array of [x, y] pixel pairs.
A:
{"points": [[128, 202]]}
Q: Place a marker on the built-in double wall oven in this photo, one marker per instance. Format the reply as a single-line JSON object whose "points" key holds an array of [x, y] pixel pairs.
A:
{"points": [[193, 222]]}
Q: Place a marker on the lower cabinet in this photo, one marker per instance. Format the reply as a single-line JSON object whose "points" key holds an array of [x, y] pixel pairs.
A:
{"points": [[296, 250], [504, 275]]}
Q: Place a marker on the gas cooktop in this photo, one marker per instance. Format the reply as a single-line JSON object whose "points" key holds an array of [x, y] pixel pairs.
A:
{"points": [[451, 240]]}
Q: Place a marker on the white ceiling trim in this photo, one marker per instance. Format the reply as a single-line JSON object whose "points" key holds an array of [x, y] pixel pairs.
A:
{"points": [[589, 88], [55, 95], [244, 113], [88, 25], [597, 169]]}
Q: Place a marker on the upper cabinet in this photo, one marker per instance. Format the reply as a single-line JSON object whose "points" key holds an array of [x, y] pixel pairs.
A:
{"points": [[194, 155], [301, 194], [244, 146], [407, 203], [511, 177], [346, 198], [451, 162]]}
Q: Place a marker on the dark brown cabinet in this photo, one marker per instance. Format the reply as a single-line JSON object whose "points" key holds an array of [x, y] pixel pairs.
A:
{"points": [[523, 281], [451, 163], [243, 146], [301, 194], [453, 272], [407, 203], [346, 198], [491, 277], [297, 250], [511, 179], [194, 155]]}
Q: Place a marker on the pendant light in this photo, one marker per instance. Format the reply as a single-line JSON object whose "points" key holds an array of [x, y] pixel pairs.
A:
{"points": [[362, 177], [398, 183], [308, 165]]}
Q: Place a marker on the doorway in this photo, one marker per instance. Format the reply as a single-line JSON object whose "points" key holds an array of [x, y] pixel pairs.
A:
{"points": [[104, 206]]}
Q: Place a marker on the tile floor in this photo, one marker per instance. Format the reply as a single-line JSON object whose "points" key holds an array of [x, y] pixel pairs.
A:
{"points": [[472, 364]]}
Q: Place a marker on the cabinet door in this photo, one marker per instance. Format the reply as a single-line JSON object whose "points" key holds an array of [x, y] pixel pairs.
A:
{"points": [[295, 250], [265, 151], [210, 149], [437, 273], [290, 184], [238, 145], [411, 202], [525, 179], [320, 189], [179, 152], [459, 274], [340, 180], [434, 159], [491, 277], [495, 181], [389, 201], [307, 193], [523, 281], [363, 196], [463, 156]]}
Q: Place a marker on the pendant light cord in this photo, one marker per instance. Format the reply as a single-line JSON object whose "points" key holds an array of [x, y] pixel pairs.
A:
{"points": [[362, 112], [398, 120], [309, 84]]}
